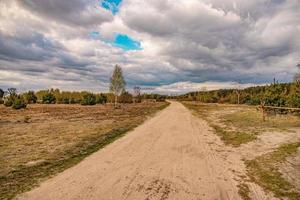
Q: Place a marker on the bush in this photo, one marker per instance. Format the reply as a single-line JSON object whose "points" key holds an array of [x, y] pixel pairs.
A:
{"points": [[8, 102], [88, 99], [125, 97], [49, 98], [19, 103], [72, 101], [102, 99], [30, 97], [66, 100]]}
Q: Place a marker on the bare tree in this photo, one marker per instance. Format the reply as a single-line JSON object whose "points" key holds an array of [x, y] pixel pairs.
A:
{"points": [[117, 83], [12, 91], [137, 93]]}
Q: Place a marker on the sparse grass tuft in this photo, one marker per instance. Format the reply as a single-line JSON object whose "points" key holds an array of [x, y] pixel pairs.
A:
{"points": [[264, 171], [244, 191], [234, 138]]}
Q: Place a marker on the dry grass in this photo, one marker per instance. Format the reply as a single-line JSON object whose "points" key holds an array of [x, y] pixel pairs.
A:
{"points": [[43, 140], [237, 125], [250, 118], [264, 171], [241, 124], [244, 191]]}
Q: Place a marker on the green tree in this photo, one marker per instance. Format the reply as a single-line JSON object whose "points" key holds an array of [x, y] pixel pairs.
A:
{"points": [[117, 83], [30, 97], [88, 99], [294, 95], [49, 98]]}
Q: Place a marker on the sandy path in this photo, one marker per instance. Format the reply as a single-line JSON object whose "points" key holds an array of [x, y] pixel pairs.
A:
{"points": [[174, 155]]}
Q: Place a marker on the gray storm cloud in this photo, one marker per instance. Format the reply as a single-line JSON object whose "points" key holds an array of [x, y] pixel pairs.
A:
{"points": [[184, 43]]}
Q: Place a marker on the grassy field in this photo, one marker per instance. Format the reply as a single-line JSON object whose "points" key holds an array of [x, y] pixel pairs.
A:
{"points": [[237, 125], [42, 140]]}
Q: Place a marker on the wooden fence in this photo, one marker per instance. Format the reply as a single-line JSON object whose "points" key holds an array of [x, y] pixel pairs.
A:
{"points": [[264, 108]]}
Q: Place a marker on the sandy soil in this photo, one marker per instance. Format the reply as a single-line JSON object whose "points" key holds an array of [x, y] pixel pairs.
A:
{"points": [[174, 155], [291, 170], [268, 142]]}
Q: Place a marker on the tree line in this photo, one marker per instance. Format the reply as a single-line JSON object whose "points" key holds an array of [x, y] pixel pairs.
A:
{"points": [[275, 94], [117, 94]]}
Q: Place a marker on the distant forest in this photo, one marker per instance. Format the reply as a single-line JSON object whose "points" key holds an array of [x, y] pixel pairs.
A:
{"points": [[276, 94]]}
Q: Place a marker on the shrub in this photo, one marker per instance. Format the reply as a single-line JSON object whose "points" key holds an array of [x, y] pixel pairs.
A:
{"points": [[49, 98], [30, 97], [19, 103], [102, 99], [125, 97], [12, 96], [66, 100], [8, 102], [88, 99], [72, 101]]}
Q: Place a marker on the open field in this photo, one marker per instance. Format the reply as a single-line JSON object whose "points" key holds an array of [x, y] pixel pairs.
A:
{"points": [[270, 149], [174, 155], [43, 140], [220, 152]]}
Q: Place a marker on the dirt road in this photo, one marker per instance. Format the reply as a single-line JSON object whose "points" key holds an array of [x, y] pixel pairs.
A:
{"points": [[174, 155]]}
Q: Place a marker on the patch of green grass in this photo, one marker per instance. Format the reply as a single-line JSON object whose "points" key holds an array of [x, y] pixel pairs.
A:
{"points": [[234, 138], [244, 191], [264, 171]]}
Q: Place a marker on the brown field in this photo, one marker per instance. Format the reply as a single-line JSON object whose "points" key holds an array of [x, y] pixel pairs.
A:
{"points": [[42, 140]]}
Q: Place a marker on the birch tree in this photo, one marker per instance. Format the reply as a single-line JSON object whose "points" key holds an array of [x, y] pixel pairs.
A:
{"points": [[117, 83]]}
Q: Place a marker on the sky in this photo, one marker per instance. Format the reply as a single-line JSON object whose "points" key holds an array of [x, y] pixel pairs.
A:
{"points": [[170, 46]]}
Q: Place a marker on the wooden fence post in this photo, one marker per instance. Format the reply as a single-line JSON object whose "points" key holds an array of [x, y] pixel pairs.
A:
{"points": [[263, 113], [262, 105]]}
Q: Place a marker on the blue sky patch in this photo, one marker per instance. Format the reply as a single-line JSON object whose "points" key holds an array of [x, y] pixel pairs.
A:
{"points": [[112, 5], [126, 43], [95, 35]]}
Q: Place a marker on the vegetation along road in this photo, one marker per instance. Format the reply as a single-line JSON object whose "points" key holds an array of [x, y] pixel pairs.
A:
{"points": [[173, 155]]}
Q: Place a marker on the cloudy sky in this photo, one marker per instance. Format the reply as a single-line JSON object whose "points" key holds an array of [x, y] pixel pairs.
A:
{"points": [[169, 46]]}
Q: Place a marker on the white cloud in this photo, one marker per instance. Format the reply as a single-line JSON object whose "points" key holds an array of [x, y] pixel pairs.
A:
{"points": [[184, 87], [186, 43]]}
